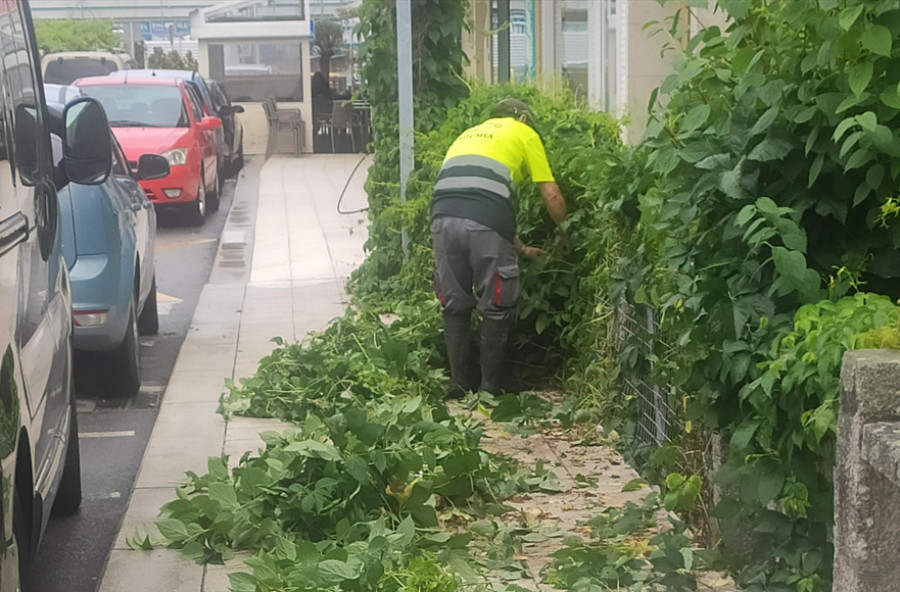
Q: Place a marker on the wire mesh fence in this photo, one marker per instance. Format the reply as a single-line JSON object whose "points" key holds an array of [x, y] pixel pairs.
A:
{"points": [[640, 344]]}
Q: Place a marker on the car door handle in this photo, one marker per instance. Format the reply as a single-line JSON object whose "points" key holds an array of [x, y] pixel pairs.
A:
{"points": [[13, 230]]}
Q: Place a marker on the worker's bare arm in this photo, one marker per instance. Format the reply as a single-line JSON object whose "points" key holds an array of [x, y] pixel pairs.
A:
{"points": [[553, 199]]}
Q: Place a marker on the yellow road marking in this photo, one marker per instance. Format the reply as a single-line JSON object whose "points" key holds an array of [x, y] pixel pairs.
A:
{"points": [[160, 297], [183, 244]]}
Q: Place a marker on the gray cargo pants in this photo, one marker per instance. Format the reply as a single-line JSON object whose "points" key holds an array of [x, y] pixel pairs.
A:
{"points": [[468, 256]]}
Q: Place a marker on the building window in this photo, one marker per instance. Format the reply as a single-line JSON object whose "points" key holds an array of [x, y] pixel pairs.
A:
{"points": [[575, 45], [521, 40], [251, 72], [264, 10]]}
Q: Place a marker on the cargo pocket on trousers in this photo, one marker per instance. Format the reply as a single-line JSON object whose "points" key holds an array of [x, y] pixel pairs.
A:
{"points": [[506, 286]]}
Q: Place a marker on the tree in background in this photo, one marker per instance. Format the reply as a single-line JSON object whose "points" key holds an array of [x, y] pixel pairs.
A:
{"points": [[329, 39], [160, 60], [140, 53], [75, 35]]}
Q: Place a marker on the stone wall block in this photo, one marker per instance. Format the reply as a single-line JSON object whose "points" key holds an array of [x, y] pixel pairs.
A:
{"points": [[867, 496]]}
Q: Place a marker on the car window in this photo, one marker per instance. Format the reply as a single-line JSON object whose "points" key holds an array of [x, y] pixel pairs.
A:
{"points": [[218, 97], [68, 70], [29, 142], [196, 102], [138, 105]]}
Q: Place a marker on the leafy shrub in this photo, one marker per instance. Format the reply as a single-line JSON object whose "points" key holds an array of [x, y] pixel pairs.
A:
{"points": [[775, 164], [358, 357]]}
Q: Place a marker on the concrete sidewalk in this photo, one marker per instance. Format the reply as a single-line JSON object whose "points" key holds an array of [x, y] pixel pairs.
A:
{"points": [[283, 261]]}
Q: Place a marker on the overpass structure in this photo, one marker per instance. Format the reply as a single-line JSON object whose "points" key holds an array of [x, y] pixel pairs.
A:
{"points": [[118, 10], [149, 10]]}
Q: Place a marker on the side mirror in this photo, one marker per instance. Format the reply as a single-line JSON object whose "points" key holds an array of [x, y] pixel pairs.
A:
{"points": [[87, 146], [210, 123], [152, 166], [238, 108]]}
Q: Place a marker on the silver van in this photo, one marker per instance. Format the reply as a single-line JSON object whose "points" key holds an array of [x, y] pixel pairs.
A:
{"points": [[39, 459]]}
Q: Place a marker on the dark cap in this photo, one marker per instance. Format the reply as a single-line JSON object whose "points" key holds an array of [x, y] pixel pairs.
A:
{"points": [[513, 108]]}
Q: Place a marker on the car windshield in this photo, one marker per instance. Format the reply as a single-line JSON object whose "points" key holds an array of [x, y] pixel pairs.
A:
{"points": [[139, 105], [68, 70]]}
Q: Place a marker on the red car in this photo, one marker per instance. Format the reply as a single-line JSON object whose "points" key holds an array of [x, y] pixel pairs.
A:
{"points": [[163, 116]]}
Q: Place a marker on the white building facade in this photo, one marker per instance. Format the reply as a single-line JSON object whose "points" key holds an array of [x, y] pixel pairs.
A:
{"points": [[601, 49]]}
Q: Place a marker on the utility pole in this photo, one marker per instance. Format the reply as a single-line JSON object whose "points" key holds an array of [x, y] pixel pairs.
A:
{"points": [[503, 41], [405, 102]]}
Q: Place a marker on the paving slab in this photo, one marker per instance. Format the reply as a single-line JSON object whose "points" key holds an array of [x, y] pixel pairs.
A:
{"points": [[162, 570], [216, 577], [196, 356], [192, 386], [194, 421], [249, 428], [143, 510], [166, 461]]}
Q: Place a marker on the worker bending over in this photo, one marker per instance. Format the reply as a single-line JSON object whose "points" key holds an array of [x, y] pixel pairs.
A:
{"points": [[473, 231]]}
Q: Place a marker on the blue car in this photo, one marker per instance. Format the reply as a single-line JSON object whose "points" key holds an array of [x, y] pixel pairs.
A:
{"points": [[108, 232]]}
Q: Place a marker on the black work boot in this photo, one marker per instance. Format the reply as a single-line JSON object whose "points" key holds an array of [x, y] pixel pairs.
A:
{"points": [[458, 337], [494, 345]]}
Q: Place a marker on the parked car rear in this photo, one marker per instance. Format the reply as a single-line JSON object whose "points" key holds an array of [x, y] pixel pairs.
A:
{"points": [[161, 116], [65, 67], [39, 456]]}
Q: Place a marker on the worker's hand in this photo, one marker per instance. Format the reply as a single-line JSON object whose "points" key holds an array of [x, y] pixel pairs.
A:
{"points": [[531, 252]]}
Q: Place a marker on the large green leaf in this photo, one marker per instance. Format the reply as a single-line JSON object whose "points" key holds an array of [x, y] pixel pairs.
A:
{"points": [[770, 149], [741, 436], [790, 264], [242, 582], [224, 494], [890, 98], [878, 39], [333, 571], [770, 485], [859, 77], [696, 117]]}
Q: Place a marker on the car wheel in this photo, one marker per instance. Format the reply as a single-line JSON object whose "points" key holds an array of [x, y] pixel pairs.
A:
{"points": [[123, 364], [197, 208], [148, 322], [68, 497]]}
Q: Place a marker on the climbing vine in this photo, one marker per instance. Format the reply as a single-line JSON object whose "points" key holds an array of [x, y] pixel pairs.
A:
{"points": [[438, 85]]}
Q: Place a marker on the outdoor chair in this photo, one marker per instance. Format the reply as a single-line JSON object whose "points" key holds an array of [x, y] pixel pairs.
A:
{"points": [[341, 120], [279, 119]]}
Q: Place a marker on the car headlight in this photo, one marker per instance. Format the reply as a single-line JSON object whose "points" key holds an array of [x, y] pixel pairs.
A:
{"points": [[175, 156]]}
